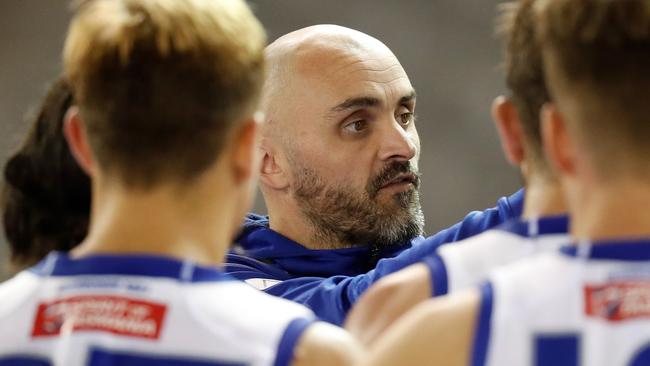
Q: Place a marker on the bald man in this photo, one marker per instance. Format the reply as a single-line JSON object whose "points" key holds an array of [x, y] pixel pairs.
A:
{"points": [[339, 174]]}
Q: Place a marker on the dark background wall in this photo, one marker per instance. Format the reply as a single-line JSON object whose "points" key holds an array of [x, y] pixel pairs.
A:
{"points": [[446, 46]]}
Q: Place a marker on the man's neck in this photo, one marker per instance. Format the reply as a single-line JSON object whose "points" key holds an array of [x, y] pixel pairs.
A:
{"points": [[615, 211], [126, 222], [543, 198]]}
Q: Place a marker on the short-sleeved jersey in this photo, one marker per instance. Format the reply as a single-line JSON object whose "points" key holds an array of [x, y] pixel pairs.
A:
{"points": [[141, 310], [581, 305], [469, 262]]}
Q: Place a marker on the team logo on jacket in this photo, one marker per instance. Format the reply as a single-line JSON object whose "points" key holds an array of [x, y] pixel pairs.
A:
{"points": [[114, 314], [618, 301]]}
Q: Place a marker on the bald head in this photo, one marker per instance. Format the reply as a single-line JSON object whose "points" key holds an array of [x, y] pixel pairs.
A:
{"points": [[312, 54]]}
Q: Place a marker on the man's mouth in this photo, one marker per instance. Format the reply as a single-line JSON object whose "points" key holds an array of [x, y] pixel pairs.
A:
{"points": [[401, 181]]}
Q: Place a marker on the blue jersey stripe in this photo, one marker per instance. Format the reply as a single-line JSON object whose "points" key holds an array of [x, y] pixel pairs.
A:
{"points": [[290, 339], [20, 360], [544, 226], [438, 271], [483, 325], [60, 264], [105, 357], [614, 250], [557, 350]]}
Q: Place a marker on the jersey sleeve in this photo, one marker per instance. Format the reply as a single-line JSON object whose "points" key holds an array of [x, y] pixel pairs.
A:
{"points": [[482, 328], [438, 272], [289, 340]]}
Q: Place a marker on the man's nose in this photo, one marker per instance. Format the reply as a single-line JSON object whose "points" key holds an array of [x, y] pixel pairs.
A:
{"points": [[398, 143]]}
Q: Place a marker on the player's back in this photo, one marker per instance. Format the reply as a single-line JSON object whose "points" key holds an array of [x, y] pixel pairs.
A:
{"points": [[582, 305], [141, 310]]}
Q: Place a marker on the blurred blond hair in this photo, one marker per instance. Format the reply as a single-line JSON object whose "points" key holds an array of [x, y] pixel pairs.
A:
{"points": [[167, 71]]}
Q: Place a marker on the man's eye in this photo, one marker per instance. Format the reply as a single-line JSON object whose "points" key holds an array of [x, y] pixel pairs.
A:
{"points": [[406, 119], [356, 126]]}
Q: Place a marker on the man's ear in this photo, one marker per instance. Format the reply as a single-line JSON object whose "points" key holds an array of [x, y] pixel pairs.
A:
{"points": [[558, 146], [510, 130], [272, 172], [74, 131]]}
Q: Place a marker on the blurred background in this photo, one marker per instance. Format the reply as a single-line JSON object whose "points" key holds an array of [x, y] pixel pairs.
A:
{"points": [[447, 47]]}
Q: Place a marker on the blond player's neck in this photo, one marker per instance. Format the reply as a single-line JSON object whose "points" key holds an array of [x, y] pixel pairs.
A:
{"points": [[158, 223], [617, 210], [543, 197]]}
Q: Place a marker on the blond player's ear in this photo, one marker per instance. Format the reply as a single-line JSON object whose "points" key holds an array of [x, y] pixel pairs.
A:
{"points": [[508, 126], [244, 150], [74, 131], [323, 344]]}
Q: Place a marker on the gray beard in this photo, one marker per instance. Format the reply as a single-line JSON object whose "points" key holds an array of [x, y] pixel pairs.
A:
{"points": [[342, 217]]}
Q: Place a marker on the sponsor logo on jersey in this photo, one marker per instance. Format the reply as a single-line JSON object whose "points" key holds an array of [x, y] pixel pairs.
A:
{"points": [[114, 314], [618, 301]]}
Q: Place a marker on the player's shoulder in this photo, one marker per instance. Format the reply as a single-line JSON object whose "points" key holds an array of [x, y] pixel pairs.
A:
{"points": [[534, 265], [270, 325], [545, 272], [490, 242], [231, 300], [16, 294]]}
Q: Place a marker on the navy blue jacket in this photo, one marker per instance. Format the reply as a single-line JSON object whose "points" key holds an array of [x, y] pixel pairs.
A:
{"points": [[330, 281]]}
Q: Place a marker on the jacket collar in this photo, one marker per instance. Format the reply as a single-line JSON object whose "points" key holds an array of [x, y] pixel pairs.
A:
{"points": [[257, 240]]}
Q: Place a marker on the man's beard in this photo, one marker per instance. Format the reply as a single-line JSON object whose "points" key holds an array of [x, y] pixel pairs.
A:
{"points": [[344, 217]]}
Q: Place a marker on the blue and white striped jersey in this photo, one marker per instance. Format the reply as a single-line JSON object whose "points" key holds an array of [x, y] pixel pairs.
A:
{"points": [[580, 305], [142, 310]]}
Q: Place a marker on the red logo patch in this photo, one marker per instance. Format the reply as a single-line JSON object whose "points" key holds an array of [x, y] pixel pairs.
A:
{"points": [[114, 314], [618, 301]]}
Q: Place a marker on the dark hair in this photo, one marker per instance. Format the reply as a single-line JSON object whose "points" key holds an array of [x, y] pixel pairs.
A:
{"points": [[45, 195], [525, 74], [597, 57]]}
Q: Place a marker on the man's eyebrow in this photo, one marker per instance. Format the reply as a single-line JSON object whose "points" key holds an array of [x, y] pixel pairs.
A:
{"points": [[365, 102], [357, 102], [407, 98]]}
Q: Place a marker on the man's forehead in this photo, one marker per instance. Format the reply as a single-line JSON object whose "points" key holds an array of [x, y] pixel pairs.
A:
{"points": [[329, 57], [350, 74], [324, 66]]}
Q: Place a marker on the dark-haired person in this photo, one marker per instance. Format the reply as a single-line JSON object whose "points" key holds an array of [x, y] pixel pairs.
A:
{"points": [[586, 303], [45, 195], [340, 174], [543, 225], [165, 92]]}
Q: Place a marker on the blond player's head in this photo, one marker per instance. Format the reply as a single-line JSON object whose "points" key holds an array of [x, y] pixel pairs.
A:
{"points": [[597, 57], [166, 92], [162, 84]]}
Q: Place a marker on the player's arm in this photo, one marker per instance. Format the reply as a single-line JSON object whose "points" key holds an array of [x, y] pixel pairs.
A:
{"points": [[439, 331], [388, 300], [325, 344]]}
